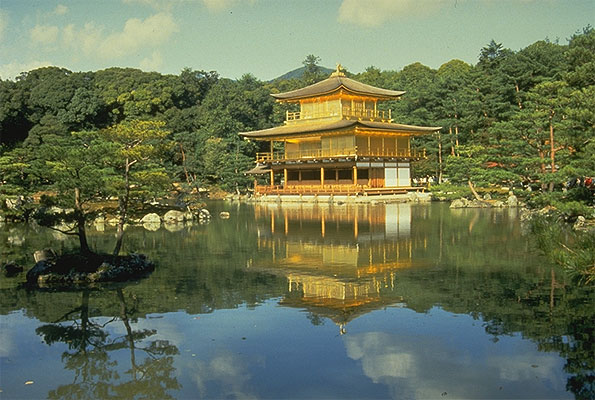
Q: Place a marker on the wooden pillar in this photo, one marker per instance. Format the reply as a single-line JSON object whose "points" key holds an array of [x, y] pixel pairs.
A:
{"points": [[272, 177], [321, 176], [284, 177], [322, 225], [355, 175]]}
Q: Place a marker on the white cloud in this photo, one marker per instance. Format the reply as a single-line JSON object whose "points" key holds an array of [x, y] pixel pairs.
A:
{"points": [[12, 70], [85, 40], [44, 34], [137, 35], [228, 371], [60, 9], [423, 367], [372, 13], [152, 63]]}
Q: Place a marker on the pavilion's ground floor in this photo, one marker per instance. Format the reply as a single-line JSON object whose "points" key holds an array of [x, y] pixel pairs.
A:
{"points": [[336, 178]]}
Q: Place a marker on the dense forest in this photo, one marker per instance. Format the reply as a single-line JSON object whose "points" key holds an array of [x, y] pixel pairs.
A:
{"points": [[519, 119]]}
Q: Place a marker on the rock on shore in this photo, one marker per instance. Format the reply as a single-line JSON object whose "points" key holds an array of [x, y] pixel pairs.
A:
{"points": [[511, 202]]}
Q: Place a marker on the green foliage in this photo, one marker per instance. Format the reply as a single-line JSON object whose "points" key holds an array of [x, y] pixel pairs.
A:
{"points": [[134, 151], [312, 72], [570, 204], [448, 191], [570, 249], [515, 118]]}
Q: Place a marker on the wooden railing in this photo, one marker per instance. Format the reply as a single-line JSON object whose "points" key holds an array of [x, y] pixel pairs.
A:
{"points": [[295, 116], [365, 113], [345, 112], [332, 153], [310, 189]]}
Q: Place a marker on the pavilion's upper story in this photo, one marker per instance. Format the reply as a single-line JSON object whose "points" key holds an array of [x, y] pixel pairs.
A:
{"points": [[337, 104], [338, 97]]}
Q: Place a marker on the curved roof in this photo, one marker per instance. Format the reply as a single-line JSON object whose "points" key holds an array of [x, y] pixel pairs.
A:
{"points": [[298, 129], [334, 83]]}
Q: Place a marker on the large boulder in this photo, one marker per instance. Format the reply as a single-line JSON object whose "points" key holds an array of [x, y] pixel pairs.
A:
{"points": [[579, 223], [15, 203], [152, 226], [459, 203], [412, 197], [512, 200], [173, 217], [151, 218], [43, 255], [204, 214]]}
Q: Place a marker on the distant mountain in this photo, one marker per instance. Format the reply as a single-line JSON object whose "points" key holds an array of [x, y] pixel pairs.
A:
{"points": [[298, 72]]}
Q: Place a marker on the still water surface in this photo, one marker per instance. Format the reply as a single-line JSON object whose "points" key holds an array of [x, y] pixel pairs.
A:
{"points": [[306, 301]]}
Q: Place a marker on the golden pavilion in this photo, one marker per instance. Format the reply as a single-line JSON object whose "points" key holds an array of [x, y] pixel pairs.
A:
{"points": [[338, 143]]}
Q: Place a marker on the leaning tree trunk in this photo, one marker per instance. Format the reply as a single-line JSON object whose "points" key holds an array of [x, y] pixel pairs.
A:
{"points": [[552, 151], [80, 222], [475, 194], [123, 209], [129, 333], [440, 169]]}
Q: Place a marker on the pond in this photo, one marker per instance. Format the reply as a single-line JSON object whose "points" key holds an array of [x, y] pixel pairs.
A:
{"points": [[305, 301]]}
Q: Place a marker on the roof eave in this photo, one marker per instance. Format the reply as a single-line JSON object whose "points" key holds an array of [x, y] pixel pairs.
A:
{"points": [[280, 97]]}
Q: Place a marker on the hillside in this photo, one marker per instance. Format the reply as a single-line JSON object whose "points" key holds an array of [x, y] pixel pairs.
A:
{"points": [[298, 72]]}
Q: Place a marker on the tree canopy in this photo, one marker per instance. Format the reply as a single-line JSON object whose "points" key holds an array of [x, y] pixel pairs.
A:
{"points": [[529, 112]]}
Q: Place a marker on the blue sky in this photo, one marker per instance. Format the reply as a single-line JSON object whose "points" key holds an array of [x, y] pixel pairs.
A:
{"points": [[270, 37]]}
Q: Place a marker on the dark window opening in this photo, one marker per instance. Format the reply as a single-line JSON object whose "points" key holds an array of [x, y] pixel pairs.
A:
{"points": [[345, 174], [293, 175], [329, 175], [310, 175]]}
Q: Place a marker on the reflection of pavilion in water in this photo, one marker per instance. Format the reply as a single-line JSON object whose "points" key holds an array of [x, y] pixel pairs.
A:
{"points": [[340, 261]]}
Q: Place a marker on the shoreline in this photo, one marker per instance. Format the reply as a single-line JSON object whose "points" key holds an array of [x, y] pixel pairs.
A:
{"points": [[411, 197]]}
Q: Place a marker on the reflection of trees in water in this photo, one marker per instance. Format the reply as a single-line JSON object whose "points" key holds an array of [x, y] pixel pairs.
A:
{"points": [[96, 374], [555, 315]]}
